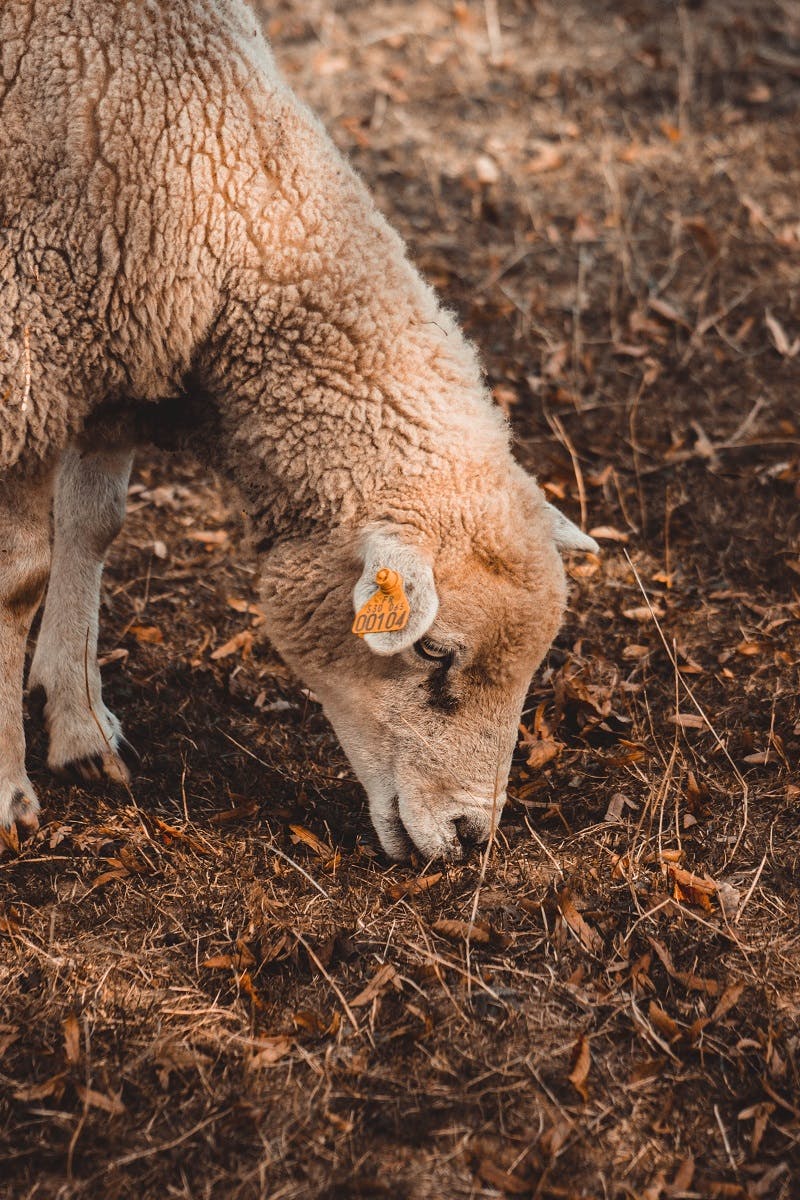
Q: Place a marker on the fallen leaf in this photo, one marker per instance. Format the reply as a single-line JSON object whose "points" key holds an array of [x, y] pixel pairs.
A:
{"points": [[270, 1050], [245, 606], [150, 635], [670, 131], [109, 877], [643, 613], [581, 1062], [72, 1038], [692, 982], [241, 641], [684, 1175], [589, 938], [380, 980], [729, 998], [691, 888], [608, 533], [320, 848], [94, 1099], [760, 1115], [585, 230], [118, 655], [635, 651], [542, 751], [209, 537], [41, 1091], [663, 1022], [456, 930], [689, 720], [616, 807], [413, 886], [504, 1181]]}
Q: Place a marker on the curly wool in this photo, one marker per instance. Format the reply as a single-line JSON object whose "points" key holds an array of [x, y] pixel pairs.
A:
{"points": [[174, 221]]}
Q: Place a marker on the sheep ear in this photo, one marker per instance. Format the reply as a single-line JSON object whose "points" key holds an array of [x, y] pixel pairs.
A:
{"points": [[567, 535], [416, 600]]}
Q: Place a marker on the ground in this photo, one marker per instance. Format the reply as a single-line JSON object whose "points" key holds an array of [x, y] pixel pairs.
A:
{"points": [[215, 985]]}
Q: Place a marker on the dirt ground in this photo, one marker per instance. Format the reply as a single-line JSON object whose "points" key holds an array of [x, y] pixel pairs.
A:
{"points": [[216, 986]]}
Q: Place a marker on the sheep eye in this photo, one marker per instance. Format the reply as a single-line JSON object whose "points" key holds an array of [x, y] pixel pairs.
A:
{"points": [[434, 652]]}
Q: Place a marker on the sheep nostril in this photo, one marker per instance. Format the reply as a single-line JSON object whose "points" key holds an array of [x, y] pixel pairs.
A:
{"points": [[465, 832]]}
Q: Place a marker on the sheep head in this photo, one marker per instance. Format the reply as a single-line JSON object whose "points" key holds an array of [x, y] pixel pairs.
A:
{"points": [[427, 703]]}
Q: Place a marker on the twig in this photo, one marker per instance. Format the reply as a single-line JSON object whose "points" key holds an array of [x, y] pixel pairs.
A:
{"points": [[297, 867], [751, 889], [558, 429], [725, 1141]]}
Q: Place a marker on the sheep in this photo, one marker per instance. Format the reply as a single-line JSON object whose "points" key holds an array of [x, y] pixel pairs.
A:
{"points": [[185, 258]]}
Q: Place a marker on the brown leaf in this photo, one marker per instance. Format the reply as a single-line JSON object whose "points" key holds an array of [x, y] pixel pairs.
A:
{"points": [[456, 930], [683, 1177], [607, 533], [72, 1038], [589, 938], [504, 1181], [413, 886], [691, 888], [9, 838], [218, 962], [320, 848], [760, 1115], [241, 641], [94, 1099], [581, 1062], [543, 751], [270, 1050], [209, 537], [41, 1091], [663, 1022], [728, 1000], [692, 982], [635, 651], [642, 613], [689, 720], [646, 1070], [109, 877], [380, 980], [150, 635], [244, 606]]}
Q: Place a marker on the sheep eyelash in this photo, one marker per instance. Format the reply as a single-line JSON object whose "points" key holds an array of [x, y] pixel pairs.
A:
{"points": [[435, 653]]}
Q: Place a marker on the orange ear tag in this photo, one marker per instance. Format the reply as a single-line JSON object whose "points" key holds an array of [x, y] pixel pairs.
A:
{"points": [[388, 610]]}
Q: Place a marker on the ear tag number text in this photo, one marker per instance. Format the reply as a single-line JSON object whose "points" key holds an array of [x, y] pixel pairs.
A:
{"points": [[388, 610]]}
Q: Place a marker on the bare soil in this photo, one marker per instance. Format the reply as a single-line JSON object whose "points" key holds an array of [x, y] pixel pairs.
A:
{"points": [[216, 986]]}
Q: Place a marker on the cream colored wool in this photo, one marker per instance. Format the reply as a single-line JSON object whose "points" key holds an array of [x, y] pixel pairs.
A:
{"points": [[185, 256]]}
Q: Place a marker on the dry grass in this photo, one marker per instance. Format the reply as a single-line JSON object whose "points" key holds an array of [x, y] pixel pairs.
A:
{"points": [[216, 986]]}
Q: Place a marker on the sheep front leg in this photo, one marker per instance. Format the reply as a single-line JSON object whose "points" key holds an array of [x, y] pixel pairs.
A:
{"points": [[85, 739], [24, 562]]}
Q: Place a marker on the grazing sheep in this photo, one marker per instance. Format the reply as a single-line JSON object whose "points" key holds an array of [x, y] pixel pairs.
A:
{"points": [[186, 258]]}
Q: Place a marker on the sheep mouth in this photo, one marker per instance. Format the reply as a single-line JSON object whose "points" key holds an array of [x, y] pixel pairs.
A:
{"points": [[401, 838]]}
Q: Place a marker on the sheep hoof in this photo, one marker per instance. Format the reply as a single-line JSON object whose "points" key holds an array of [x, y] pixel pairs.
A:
{"points": [[111, 765], [19, 814]]}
